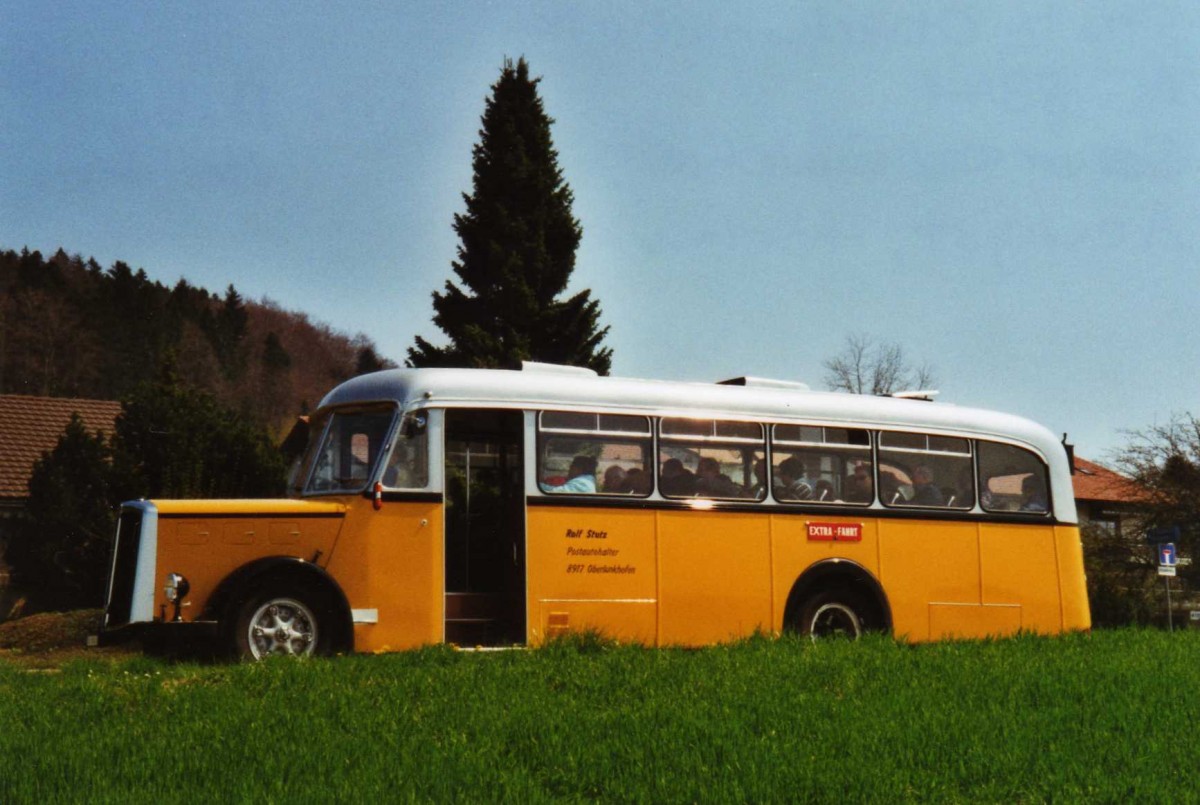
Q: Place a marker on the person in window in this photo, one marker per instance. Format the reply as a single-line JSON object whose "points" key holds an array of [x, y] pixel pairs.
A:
{"points": [[581, 477], [637, 482], [404, 468], [924, 492], [676, 480], [860, 487], [614, 480], [790, 481], [891, 489], [1033, 495], [711, 482]]}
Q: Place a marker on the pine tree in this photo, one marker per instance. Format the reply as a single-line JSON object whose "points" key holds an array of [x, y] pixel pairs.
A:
{"points": [[368, 361], [230, 330], [517, 249]]}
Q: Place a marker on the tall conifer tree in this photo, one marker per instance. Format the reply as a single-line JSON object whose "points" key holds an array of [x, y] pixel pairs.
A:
{"points": [[517, 251]]}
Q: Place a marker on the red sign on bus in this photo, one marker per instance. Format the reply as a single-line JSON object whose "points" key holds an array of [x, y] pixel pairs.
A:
{"points": [[835, 532]]}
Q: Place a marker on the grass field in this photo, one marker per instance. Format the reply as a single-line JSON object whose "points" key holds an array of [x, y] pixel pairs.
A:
{"points": [[1107, 717]]}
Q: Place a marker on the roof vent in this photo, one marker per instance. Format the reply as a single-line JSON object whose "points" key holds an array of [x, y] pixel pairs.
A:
{"points": [[924, 394], [764, 383], [557, 369]]}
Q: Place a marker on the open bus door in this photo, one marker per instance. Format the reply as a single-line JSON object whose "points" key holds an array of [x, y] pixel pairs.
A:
{"points": [[485, 527]]}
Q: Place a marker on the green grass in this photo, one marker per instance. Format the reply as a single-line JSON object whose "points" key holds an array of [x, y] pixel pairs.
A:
{"points": [[1100, 718]]}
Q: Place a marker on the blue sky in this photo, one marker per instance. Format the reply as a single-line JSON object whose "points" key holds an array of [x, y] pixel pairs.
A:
{"points": [[1010, 190]]}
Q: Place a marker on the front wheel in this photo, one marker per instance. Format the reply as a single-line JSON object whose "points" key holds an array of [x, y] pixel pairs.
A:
{"points": [[284, 623], [832, 615]]}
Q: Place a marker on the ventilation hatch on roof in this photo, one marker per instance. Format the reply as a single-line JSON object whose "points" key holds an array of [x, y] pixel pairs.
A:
{"points": [[764, 383], [556, 369]]}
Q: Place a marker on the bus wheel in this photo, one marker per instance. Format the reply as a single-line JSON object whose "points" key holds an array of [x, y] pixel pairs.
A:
{"points": [[832, 615], [278, 623]]}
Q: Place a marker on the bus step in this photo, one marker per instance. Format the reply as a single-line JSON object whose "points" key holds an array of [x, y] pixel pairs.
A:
{"points": [[470, 606], [472, 631]]}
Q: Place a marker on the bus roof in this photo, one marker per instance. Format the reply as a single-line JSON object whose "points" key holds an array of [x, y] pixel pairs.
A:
{"points": [[566, 388]]}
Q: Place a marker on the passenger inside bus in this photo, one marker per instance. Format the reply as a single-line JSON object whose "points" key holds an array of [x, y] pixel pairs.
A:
{"points": [[676, 480], [1033, 494], [860, 487], [891, 487], [790, 480], [924, 492], [614, 480], [581, 477], [405, 468], [637, 482], [711, 482]]}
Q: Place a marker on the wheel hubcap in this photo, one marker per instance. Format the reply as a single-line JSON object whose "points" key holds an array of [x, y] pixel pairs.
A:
{"points": [[282, 626], [835, 620]]}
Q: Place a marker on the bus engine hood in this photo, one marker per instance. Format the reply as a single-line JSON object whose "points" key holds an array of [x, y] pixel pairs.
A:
{"points": [[206, 540]]}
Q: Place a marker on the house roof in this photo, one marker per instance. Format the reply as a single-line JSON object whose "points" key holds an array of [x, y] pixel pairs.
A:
{"points": [[31, 426], [1098, 483]]}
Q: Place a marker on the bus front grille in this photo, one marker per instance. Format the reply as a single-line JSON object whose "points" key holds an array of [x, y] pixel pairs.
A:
{"points": [[124, 568]]}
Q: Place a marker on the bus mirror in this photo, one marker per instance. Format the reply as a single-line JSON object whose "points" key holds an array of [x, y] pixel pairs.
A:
{"points": [[414, 426]]}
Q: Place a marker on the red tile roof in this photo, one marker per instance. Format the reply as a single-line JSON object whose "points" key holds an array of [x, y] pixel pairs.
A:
{"points": [[31, 426], [1094, 482]]}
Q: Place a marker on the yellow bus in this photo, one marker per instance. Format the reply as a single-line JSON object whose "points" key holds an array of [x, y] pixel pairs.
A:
{"points": [[497, 507]]}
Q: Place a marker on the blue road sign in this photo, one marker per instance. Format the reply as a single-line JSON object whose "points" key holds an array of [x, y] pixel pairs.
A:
{"points": [[1166, 555], [1168, 533]]}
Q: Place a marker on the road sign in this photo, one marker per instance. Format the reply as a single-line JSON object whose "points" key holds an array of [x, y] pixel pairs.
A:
{"points": [[1166, 555], [1166, 570], [1168, 533]]}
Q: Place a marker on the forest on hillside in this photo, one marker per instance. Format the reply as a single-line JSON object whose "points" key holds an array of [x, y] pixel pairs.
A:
{"points": [[70, 328]]}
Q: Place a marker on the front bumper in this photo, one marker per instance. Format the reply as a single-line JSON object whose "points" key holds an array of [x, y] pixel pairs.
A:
{"points": [[174, 638]]}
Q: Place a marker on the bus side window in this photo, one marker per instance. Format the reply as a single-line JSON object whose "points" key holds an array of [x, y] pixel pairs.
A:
{"points": [[819, 464], [584, 453], [1012, 479], [408, 464], [919, 469], [711, 458]]}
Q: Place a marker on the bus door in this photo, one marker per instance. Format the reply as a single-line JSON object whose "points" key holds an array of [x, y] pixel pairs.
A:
{"points": [[485, 527]]}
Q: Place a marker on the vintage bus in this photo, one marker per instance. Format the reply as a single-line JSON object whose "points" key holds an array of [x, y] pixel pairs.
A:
{"points": [[499, 508]]}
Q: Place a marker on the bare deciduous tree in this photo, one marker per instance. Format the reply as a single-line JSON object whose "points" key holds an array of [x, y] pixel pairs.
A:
{"points": [[869, 366], [1164, 461], [1162, 465]]}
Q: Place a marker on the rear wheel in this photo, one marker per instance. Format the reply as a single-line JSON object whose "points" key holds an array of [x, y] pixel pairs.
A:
{"points": [[832, 615], [280, 621]]}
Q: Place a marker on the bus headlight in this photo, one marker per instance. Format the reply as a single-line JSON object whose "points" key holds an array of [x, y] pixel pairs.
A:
{"points": [[176, 588]]}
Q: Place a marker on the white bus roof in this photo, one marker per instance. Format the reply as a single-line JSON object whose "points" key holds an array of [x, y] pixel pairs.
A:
{"points": [[563, 388]]}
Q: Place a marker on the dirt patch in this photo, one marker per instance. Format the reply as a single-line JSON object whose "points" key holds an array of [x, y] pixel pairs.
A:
{"points": [[50, 630], [49, 639]]}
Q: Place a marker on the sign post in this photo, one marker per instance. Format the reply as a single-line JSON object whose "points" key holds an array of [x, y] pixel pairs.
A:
{"points": [[1167, 559]]}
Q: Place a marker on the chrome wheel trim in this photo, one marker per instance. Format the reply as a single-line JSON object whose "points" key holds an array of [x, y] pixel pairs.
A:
{"points": [[282, 626], [835, 619]]}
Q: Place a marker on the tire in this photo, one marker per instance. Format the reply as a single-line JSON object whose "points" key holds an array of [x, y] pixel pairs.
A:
{"points": [[282, 620], [834, 614]]}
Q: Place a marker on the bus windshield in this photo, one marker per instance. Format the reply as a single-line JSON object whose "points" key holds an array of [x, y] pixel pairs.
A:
{"points": [[345, 449]]}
